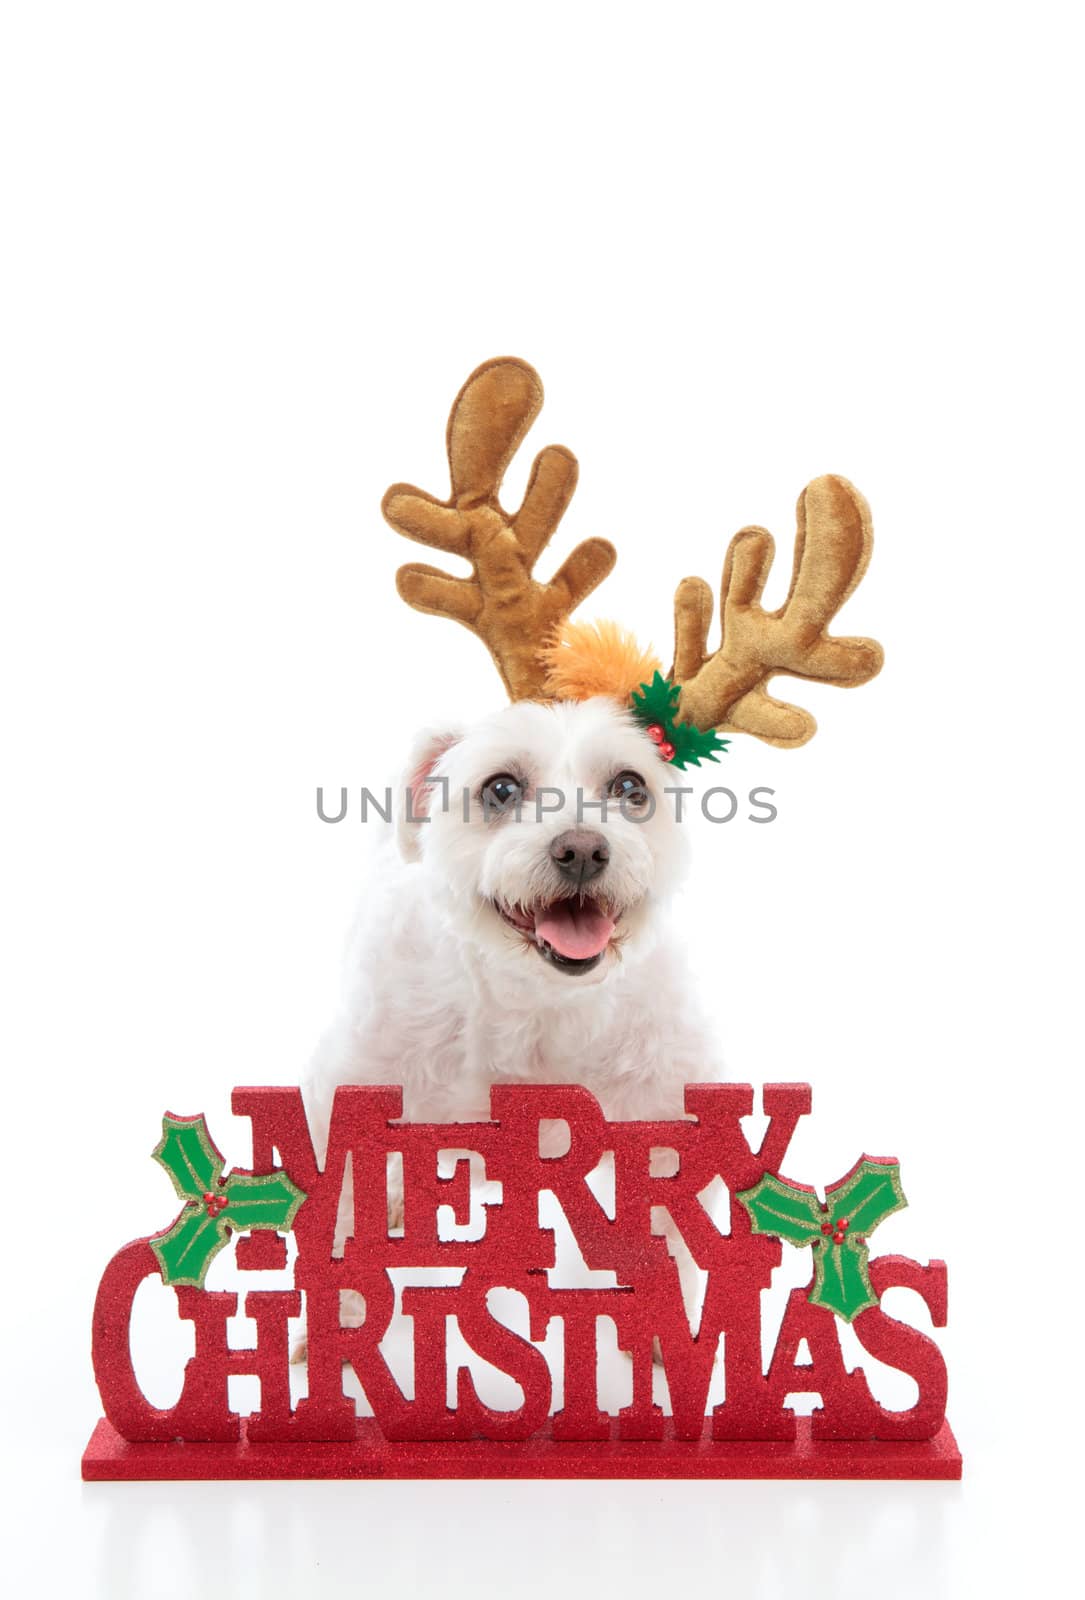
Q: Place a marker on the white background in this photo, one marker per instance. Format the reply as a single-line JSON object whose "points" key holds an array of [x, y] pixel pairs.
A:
{"points": [[250, 252]]}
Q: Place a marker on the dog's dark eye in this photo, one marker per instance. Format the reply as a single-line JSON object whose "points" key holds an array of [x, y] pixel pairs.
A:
{"points": [[630, 787], [501, 791]]}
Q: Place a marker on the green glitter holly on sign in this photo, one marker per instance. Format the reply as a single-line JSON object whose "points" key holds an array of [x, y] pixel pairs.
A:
{"points": [[837, 1230], [214, 1206]]}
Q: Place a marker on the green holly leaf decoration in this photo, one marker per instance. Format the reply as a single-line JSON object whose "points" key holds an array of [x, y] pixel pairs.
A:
{"points": [[841, 1280], [657, 701], [188, 1155], [868, 1194], [786, 1210], [656, 705], [185, 1251], [692, 746], [837, 1230], [215, 1206]]}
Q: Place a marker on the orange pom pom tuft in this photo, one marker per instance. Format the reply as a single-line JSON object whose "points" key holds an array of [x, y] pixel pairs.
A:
{"points": [[590, 658]]}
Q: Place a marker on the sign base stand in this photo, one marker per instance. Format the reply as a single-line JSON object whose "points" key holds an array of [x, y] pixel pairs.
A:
{"points": [[108, 1457]]}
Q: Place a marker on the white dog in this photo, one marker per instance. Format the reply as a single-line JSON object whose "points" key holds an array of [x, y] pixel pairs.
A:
{"points": [[508, 937]]}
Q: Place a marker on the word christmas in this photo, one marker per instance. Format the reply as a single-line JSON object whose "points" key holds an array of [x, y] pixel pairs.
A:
{"points": [[751, 1433]]}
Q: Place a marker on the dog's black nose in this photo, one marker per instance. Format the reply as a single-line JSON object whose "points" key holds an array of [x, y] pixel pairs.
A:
{"points": [[579, 854]]}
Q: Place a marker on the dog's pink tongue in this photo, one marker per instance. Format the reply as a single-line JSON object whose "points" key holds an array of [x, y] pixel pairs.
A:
{"points": [[574, 929]]}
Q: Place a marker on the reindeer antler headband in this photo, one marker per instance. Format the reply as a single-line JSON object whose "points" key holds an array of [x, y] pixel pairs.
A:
{"points": [[525, 625]]}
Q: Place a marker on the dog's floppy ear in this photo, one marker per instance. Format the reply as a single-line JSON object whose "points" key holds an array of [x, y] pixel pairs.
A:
{"points": [[417, 790]]}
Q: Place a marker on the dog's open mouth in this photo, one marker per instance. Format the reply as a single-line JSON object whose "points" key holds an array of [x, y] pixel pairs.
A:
{"points": [[571, 934]]}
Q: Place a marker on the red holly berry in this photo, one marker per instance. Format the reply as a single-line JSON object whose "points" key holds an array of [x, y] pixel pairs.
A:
{"points": [[666, 750], [655, 732], [838, 1238], [208, 1198], [843, 1223], [826, 1227]]}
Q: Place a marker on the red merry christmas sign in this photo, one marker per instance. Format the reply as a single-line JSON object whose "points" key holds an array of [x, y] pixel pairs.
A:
{"points": [[414, 1431]]}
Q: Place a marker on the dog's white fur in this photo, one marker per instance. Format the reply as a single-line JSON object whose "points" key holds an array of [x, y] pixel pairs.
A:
{"points": [[446, 998]]}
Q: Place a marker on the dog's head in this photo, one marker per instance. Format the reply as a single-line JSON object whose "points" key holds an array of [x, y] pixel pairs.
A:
{"points": [[547, 836]]}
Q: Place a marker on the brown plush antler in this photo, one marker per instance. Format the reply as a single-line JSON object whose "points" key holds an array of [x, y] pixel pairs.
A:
{"points": [[511, 612], [727, 690]]}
